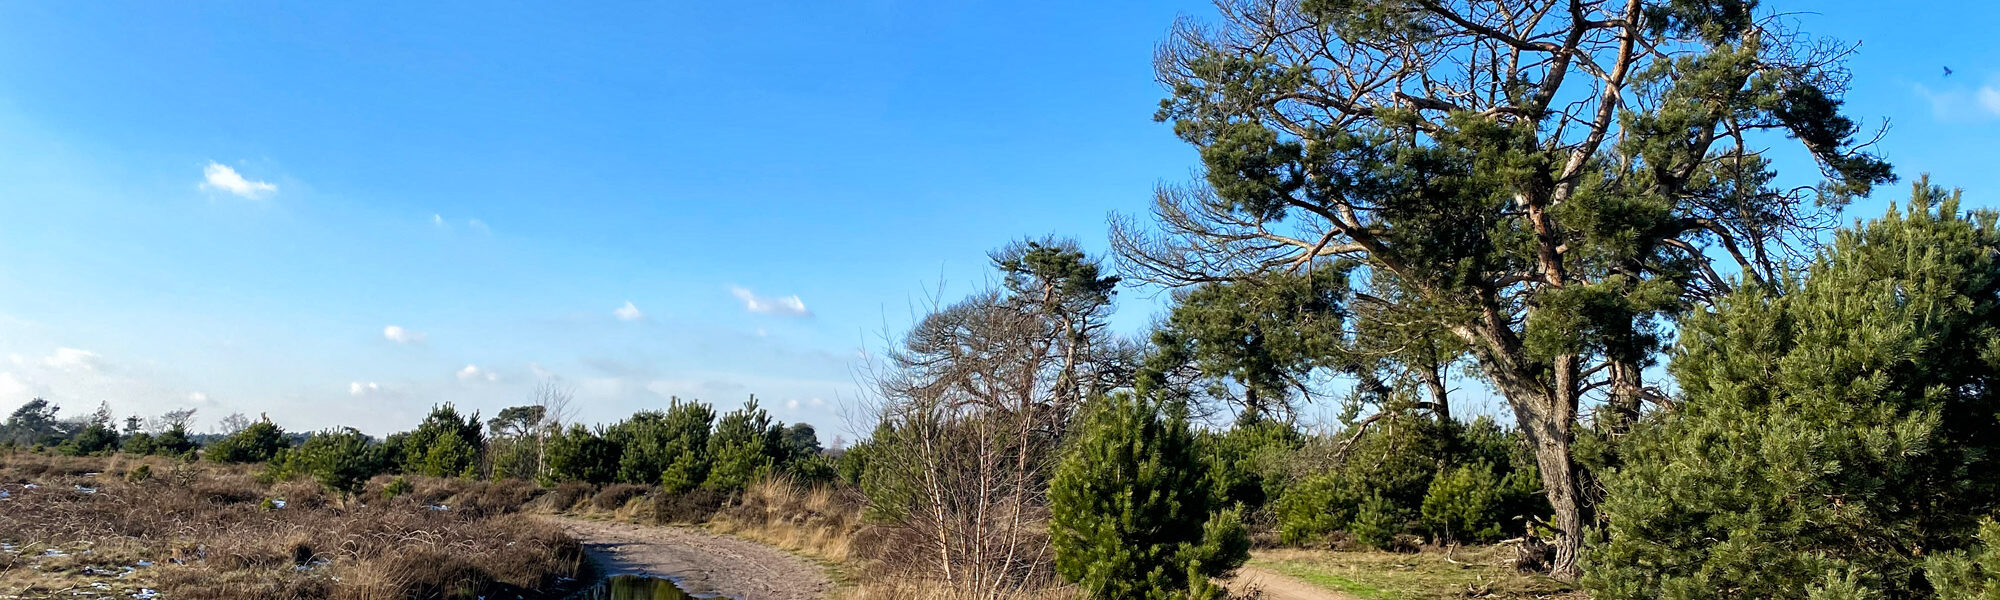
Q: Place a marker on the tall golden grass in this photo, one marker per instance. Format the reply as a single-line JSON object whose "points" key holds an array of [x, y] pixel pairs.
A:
{"points": [[825, 523]]}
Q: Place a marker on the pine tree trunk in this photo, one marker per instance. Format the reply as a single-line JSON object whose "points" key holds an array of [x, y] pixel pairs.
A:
{"points": [[1560, 483], [1545, 410], [1434, 381]]}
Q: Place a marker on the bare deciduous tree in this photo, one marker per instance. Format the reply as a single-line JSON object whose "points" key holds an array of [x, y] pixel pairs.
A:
{"points": [[233, 423], [555, 401], [974, 402]]}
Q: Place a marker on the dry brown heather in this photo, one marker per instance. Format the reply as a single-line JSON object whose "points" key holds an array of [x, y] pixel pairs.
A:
{"points": [[210, 533]]}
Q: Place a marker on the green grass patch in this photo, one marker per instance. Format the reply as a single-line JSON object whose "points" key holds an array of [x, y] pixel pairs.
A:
{"points": [[1314, 575], [1469, 573]]}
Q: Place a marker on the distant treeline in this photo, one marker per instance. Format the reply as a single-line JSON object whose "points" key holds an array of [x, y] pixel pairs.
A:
{"points": [[683, 448]]}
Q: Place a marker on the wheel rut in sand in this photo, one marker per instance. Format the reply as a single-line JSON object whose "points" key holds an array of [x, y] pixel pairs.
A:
{"points": [[699, 561]]}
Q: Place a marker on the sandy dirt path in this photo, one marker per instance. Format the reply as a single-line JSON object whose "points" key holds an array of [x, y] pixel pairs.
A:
{"points": [[702, 562], [1278, 586]]}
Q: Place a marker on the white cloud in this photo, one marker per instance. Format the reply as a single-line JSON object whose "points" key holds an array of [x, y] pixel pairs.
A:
{"points": [[197, 397], [788, 305], [792, 404], [362, 389], [542, 373], [628, 312], [476, 225], [473, 373], [397, 334], [1962, 103], [12, 389], [73, 359], [219, 176]]}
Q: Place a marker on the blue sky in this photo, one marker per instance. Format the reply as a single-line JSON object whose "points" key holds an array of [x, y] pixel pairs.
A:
{"points": [[226, 205]]}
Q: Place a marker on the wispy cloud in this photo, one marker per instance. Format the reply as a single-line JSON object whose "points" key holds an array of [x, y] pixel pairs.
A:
{"points": [[628, 312], [218, 176], [73, 359], [1962, 103], [542, 372], [790, 306], [473, 225], [474, 373], [362, 389], [397, 334], [13, 388]]}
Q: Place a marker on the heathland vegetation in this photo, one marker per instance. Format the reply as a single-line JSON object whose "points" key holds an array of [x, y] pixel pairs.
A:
{"points": [[1710, 388]]}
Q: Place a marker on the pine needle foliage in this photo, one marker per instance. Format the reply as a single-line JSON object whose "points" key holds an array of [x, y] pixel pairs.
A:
{"points": [[1134, 513], [1836, 427]]}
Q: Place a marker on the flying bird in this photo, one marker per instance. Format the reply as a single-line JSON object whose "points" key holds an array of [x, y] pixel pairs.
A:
{"points": [[1947, 71]]}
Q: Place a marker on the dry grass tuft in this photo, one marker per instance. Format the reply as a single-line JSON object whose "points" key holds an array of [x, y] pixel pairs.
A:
{"points": [[820, 521], [615, 496], [565, 497], [918, 589]]}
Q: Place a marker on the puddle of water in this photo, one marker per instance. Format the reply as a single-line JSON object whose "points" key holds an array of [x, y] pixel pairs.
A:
{"points": [[634, 587]]}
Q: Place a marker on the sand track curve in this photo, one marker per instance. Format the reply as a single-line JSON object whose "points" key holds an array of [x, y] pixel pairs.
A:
{"points": [[702, 562]]}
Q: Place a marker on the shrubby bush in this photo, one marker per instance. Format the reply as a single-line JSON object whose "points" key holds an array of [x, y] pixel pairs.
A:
{"points": [[1378, 520], [259, 442], [450, 456], [1134, 513], [814, 469], [174, 442], [686, 448], [1249, 463], [513, 457], [1390, 465], [1463, 504], [746, 446], [853, 462], [140, 444], [94, 439], [341, 459], [445, 444], [397, 487], [655, 445], [1449, 481], [578, 454]]}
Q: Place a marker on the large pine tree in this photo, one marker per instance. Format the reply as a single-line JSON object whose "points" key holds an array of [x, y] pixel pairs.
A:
{"points": [[1544, 180]]}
